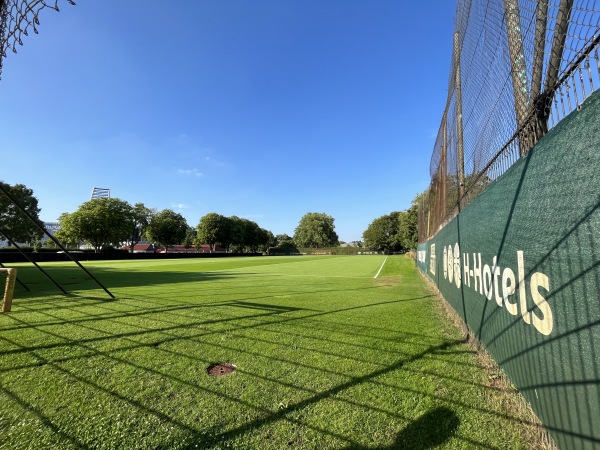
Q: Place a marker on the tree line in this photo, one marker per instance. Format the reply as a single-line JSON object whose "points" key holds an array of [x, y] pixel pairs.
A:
{"points": [[112, 222]]}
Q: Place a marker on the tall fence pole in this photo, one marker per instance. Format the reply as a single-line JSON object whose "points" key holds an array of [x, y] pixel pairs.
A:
{"points": [[558, 43], [537, 100], [541, 20], [518, 69], [459, 119], [444, 166]]}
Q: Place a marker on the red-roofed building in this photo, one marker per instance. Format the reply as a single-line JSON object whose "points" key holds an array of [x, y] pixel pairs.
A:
{"points": [[144, 247], [205, 248]]}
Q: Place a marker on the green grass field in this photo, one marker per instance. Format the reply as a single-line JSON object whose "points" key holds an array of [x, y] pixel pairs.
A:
{"points": [[328, 358]]}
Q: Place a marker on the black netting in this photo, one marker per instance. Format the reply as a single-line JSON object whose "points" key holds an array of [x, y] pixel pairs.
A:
{"points": [[518, 68]]}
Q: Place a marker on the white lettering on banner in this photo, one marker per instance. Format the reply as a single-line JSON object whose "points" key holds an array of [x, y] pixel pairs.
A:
{"points": [[466, 269], [522, 290], [495, 275], [543, 324], [501, 284], [445, 262], [508, 289], [487, 282], [477, 273], [457, 265], [450, 264]]}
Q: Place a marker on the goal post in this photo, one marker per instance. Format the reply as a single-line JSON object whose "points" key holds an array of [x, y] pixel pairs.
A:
{"points": [[9, 288]]}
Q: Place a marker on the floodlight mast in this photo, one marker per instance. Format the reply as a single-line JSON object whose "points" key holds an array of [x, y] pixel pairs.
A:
{"points": [[100, 193]]}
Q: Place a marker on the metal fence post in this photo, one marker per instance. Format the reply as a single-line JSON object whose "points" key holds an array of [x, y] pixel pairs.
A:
{"points": [[518, 69], [459, 119]]}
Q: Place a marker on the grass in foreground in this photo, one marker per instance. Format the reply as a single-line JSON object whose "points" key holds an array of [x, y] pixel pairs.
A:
{"points": [[327, 357]]}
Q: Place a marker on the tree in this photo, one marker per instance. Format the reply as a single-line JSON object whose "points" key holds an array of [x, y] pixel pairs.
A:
{"points": [[284, 248], [248, 237], [99, 222], [267, 240], [280, 238], [316, 230], [13, 223], [167, 228], [409, 223], [233, 233], [141, 217], [254, 235], [190, 237], [214, 229], [383, 234], [240, 234]]}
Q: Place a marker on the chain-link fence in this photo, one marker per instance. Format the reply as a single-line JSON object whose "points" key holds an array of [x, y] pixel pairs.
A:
{"points": [[518, 68], [17, 19]]}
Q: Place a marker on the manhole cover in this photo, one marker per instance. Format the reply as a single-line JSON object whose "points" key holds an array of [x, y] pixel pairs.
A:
{"points": [[220, 369]]}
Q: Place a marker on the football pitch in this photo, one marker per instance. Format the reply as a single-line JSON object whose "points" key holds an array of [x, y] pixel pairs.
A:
{"points": [[327, 357]]}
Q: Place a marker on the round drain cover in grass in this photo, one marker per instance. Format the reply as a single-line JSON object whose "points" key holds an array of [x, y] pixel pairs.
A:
{"points": [[220, 369]]}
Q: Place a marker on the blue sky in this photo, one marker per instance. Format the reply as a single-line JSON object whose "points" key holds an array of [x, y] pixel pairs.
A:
{"points": [[261, 109]]}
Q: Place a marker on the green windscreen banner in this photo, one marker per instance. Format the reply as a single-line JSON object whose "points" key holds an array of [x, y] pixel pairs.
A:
{"points": [[520, 265]]}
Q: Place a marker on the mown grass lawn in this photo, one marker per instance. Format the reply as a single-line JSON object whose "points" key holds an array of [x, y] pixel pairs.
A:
{"points": [[328, 358]]}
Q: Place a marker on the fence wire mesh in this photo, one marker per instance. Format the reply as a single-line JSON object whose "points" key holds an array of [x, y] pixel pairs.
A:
{"points": [[518, 67], [18, 19]]}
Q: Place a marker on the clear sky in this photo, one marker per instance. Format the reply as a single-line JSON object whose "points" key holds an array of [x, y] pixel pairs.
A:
{"points": [[264, 109]]}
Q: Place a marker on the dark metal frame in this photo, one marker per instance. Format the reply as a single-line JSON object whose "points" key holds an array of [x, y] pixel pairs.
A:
{"points": [[56, 241]]}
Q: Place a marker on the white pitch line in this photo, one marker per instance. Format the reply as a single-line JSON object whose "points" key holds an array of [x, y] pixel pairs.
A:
{"points": [[382, 264], [269, 274]]}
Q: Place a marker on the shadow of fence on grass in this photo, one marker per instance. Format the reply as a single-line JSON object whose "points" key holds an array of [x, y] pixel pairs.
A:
{"points": [[157, 335]]}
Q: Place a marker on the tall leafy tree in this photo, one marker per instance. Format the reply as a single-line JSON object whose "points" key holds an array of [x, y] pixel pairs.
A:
{"points": [[167, 228], [383, 233], [13, 222], [409, 221], [233, 233], [190, 237], [267, 240], [316, 230], [254, 236], [141, 217], [240, 233], [280, 238], [214, 229], [99, 222]]}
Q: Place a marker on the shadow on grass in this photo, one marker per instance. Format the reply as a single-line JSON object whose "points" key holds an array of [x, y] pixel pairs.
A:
{"points": [[323, 395], [164, 329], [428, 431], [12, 397], [72, 279], [264, 310]]}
